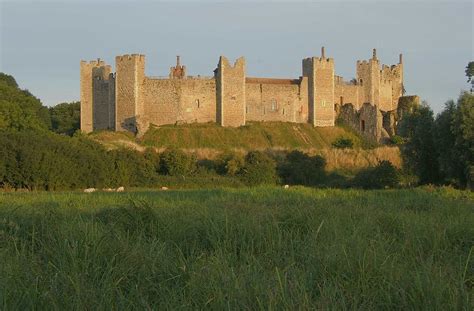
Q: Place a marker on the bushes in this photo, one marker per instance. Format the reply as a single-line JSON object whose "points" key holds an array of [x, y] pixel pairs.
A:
{"points": [[343, 143], [302, 169], [258, 169], [230, 164], [384, 175], [175, 162]]}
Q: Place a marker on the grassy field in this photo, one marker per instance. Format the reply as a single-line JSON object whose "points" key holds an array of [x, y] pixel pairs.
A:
{"points": [[259, 248]]}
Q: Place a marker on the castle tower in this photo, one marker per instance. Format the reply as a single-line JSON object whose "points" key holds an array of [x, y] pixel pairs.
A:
{"points": [[320, 73], [230, 88], [178, 72], [368, 76], [130, 74], [96, 103]]}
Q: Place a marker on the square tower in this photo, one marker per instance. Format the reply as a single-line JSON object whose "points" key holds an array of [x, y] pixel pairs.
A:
{"points": [[230, 89], [320, 73], [129, 91]]}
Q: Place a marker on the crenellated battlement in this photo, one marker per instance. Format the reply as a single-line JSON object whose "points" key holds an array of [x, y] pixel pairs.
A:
{"points": [[130, 57]]}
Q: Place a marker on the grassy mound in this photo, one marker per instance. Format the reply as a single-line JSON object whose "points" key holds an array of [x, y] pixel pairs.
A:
{"points": [[260, 248], [255, 135]]}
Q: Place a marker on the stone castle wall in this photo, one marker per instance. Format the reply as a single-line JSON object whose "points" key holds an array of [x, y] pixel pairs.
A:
{"points": [[130, 101], [170, 101], [276, 100]]}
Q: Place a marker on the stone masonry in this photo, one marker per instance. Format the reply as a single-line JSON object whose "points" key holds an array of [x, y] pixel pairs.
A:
{"points": [[128, 100]]}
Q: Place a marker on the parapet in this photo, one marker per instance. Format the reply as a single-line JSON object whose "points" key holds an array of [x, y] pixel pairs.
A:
{"points": [[94, 63], [128, 57], [239, 63]]}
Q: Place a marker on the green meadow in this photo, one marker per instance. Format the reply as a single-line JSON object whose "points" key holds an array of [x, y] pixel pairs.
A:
{"points": [[258, 248]]}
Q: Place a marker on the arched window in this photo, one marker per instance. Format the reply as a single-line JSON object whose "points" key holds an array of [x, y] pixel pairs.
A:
{"points": [[274, 105]]}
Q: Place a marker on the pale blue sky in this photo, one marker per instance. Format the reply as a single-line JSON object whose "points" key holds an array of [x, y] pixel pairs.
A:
{"points": [[42, 42]]}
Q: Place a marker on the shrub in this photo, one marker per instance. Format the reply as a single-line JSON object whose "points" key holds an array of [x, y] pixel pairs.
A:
{"points": [[383, 175], [230, 164], [396, 140], [302, 169], [343, 143], [258, 169], [175, 162]]}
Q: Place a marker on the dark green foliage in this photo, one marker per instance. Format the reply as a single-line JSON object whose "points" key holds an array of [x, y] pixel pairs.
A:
{"points": [[230, 163], [259, 168], [343, 143], [175, 162], [396, 140], [302, 169], [419, 152], [65, 118], [41, 161], [470, 74], [8, 80], [383, 175], [19, 110], [132, 168], [440, 150]]}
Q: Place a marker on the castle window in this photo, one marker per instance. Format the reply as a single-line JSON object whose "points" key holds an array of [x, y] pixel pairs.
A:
{"points": [[247, 109], [362, 125], [198, 104], [274, 105], [323, 103], [360, 81]]}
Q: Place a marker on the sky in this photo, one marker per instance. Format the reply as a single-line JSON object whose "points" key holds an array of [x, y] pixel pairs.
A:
{"points": [[42, 42]]}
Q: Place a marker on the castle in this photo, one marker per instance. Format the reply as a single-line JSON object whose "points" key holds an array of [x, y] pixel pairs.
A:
{"points": [[127, 100]]}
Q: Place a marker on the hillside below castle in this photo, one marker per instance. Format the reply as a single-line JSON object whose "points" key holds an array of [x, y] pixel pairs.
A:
{"points": [[127, 100]]}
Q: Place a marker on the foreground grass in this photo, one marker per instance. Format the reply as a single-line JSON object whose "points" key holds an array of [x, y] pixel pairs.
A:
{"points": [[249, 248]]}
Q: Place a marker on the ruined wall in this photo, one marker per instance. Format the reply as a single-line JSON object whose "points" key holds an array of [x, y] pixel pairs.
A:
{"points": [[347, 93], [394, 74], [367, 120], [170, 101], [230, 89], [275, 100]]}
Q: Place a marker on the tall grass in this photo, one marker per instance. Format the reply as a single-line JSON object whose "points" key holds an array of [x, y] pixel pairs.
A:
{"points": [[259, 248]]}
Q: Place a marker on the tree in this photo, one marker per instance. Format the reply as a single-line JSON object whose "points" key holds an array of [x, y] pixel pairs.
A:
{"points": [[19, 109], [463, 129], [65, 118], [302, 169], [419, 153], [470, 74], [383, 175], [258, 169]]}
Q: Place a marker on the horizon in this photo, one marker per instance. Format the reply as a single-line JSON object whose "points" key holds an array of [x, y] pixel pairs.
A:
{"points": [[274, 38]]}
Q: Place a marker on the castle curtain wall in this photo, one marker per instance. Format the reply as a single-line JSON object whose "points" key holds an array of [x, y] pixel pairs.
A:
{"points": [[170, 101], [130, 101], [276, 100]]}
